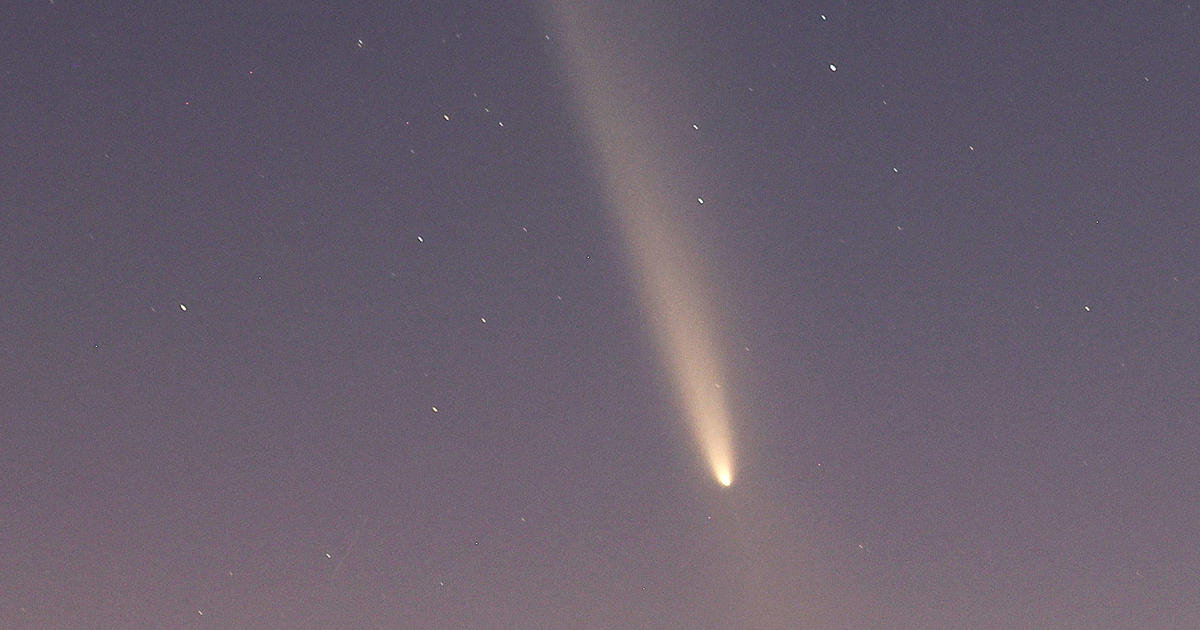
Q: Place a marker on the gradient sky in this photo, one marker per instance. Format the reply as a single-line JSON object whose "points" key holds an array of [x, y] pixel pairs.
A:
{"points": [[316, 315]]}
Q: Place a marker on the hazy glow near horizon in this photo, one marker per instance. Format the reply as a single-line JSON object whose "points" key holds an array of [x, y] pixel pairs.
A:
{"points": [[669, 275]]}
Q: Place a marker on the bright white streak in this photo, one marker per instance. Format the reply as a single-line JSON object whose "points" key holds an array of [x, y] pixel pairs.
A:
{"points": [[671, 288]]}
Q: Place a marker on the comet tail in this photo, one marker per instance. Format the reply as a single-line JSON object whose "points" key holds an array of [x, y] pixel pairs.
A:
{"points": [[648, 203]]}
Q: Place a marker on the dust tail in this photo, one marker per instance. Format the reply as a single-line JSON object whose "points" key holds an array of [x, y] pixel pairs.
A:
{"points": [[619, 93]]}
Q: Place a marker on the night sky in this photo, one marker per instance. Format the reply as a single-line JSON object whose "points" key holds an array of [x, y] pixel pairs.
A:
{"points": [[324, 315]]}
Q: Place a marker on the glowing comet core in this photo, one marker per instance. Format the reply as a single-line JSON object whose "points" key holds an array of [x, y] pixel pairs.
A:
{"points": [[724, 476], [647, 202]]}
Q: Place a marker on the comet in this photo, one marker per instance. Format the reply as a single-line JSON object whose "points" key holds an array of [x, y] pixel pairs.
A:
{"points": [[643, 189]]}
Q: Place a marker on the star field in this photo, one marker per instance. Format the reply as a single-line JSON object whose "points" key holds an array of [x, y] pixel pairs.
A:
{"points": [[324, 316]]}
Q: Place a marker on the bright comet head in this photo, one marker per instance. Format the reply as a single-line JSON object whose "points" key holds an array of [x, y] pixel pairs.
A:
{"points": [[725, 477]]}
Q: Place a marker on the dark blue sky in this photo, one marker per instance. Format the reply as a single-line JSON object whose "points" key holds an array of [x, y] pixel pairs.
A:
{"points": [[315, 315]]}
